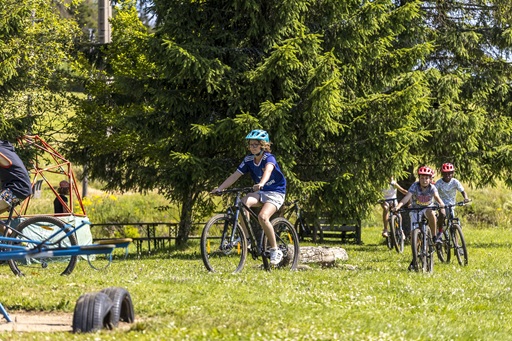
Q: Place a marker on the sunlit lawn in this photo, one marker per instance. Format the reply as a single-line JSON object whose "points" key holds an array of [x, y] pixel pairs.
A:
{"points": [[175, 298]]}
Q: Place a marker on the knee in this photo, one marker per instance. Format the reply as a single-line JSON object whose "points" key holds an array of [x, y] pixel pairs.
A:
{"points": [[263, 217]]}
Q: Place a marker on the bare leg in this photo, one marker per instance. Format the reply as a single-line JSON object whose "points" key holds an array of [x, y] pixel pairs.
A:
{"points": [[385, 216], [431, 221], [250, 200], [266, 212]]}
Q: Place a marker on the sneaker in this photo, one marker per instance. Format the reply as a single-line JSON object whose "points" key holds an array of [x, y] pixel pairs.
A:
{"points": [[439, 238], [385, 234], [276, 256], [411, 267]]}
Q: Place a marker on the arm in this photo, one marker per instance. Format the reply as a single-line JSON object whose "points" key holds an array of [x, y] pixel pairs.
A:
{"points": [[440, 202], [466, 198], [5, 162], [403, 201], [400, 188], [266, 175], [228, 182]]}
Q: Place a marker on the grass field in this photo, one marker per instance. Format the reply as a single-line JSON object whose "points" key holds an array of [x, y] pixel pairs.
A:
{"points": [[376, 298]]}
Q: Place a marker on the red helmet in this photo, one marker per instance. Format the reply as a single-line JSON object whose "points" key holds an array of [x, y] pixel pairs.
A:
{"points": [[424, 170], [447, 167]]}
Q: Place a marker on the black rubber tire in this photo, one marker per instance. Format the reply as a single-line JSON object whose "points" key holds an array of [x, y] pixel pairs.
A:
{"points": [[224, 258], [459, 245], [54, 266], [302, 229], [391, 233], [92, 313], [122, 308], [431, 250], [416, 246], [287, 241], [398, 235]]}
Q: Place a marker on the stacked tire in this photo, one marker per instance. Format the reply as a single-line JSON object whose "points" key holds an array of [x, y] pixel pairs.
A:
{"points": [[102, 310]]}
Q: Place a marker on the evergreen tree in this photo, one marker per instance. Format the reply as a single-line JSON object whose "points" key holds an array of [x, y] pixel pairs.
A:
{"points": [[326, 79], [469, 73]]}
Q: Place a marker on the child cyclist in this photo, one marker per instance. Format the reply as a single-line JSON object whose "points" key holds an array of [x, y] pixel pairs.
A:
{"points": [[269, 185], [423, 193], [447, 188], [389, 201], [15, 180]]}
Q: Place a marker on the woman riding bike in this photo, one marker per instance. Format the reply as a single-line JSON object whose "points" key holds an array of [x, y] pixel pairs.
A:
{"points": [[269, 185]]}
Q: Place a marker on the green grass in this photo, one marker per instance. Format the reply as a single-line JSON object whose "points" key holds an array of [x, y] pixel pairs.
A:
{"points": [[175, 298]]}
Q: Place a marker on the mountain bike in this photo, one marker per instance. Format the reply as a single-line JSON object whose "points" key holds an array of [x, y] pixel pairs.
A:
{"points": [[422, 244], [396, 236], [452, 238], [225, 244], [43, 245], [300, 225]]}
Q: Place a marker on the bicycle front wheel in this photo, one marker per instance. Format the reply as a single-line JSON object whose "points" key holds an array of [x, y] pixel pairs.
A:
{"points": [[459, 245], [287, 241], [416, 246], [222, 250], [40, 228], [397, 233], [422, 252]]}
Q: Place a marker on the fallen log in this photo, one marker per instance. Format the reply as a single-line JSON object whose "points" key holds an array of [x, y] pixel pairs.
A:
{"points": [[326, 256]]}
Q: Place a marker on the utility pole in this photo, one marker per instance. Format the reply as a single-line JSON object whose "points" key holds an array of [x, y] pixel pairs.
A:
{"points": [[104, 15], [104, 37]]}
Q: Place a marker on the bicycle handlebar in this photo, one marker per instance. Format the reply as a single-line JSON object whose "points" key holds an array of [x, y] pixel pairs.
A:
{"points": [[386, 200], [404, 209], [234, 190], [460, 203], [291, 203]]}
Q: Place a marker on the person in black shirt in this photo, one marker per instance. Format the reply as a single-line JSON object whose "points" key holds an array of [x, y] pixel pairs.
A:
{"points": [[63, 190], [16, 185]]}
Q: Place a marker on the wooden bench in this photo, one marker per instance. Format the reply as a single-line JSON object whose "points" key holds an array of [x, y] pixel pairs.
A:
{"points": [[325, 229]]}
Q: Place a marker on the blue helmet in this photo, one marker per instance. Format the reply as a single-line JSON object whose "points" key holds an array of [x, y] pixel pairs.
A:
{"points": [[258, 135]]}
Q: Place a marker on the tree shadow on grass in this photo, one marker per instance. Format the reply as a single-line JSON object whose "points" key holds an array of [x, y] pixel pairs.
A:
{"points": [[492, 245]]}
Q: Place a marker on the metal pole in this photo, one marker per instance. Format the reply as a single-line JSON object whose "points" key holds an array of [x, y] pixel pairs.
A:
{"points": [[104, 14]]}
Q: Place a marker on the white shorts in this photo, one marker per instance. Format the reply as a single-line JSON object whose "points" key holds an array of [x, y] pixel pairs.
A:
{"points": [[275, 198], [416, 217]]}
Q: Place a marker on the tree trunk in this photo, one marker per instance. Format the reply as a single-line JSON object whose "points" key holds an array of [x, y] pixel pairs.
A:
{"points": [[185, 224]]}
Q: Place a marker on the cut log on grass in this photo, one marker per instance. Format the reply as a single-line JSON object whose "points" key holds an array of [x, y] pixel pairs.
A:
{"points": [[326, 256]]}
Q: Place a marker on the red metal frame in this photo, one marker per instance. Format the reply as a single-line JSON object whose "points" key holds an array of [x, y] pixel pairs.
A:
{"points": [[49, 160]]}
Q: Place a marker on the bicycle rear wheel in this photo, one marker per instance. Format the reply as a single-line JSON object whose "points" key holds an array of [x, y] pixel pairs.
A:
{"points": [[443, 248], [220, 253], [397, 233], [302, 229], [38, 229], [459, 245], [287, 241]]}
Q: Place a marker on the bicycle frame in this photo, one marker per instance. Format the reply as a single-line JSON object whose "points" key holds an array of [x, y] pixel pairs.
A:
{"points": [[40, 244], [395, 238], [300, 223], [16, 249], [425, 254], [452, 238], [239, 207]]}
